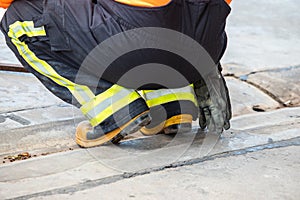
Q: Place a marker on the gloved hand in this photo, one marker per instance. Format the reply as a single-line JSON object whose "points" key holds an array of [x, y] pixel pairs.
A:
{"points": [[214, 103], [5, 3]]}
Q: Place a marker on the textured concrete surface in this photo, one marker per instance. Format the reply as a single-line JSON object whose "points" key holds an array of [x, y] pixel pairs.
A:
{"points": [[31, 118], [22, 91], [263, 47], [268, 174], [282, 83], [84, 169], [245, 98], [264, 34]]}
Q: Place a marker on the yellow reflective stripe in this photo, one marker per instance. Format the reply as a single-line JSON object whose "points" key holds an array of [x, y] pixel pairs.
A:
{"points": [[187, 87], [114, 108], [27, 28], [171, 97], [82, 93], [100, 98], [147, 91], [157, 97]]}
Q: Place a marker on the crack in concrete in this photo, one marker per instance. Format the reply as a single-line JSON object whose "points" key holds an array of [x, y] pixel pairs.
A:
{"points": [[19, 119], [276, 69], [270, 94], [267, 92], [112, 179], [244, 78], [27, 109], [44, 126], [15, 118]]}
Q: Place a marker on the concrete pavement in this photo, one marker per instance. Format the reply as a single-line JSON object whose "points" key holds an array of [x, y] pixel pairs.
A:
{"points": [[271, 146], [264, 34], [266, 174], [258, 158]]}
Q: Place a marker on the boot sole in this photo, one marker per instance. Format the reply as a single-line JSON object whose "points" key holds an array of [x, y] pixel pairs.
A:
{"points": [[116, 135], [180, 121], [178, 128]]}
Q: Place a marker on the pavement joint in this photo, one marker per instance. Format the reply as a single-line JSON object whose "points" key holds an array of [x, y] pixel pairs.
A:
{"points": [[44, 126], [18, 119], [27, 109], [245, 78], [112, 179], [270, 94], [276, 69], [262, 128]]}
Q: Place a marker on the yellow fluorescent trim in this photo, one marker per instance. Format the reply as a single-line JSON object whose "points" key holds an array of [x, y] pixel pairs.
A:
{"points": [[82, 93], [114, 108], [100, 98], [171, 97], [174, 89]]}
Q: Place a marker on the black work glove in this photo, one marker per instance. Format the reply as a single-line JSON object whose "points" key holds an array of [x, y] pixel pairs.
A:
{"points": [[214, 103]]}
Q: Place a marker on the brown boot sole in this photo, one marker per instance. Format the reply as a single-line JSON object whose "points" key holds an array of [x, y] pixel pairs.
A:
{"points": [[182, 121], [116, 135]]}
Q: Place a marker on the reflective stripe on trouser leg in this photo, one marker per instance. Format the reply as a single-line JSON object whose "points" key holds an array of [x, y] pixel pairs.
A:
{"points": [[107, 103], [177, 107], [18, 29], [95, 108], [162, 96]]}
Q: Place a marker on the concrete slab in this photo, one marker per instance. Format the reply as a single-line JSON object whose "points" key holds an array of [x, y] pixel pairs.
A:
{"points": [[260, 38], [283, 83], [268, 174], [31, 118], [51, 137], [245, 98], [20, 91], [83, 169], [37, 116]]}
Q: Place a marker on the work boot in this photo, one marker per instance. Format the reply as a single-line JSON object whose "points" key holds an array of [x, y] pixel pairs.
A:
{"points": [[122, 122], [171, 118], [88, 136]]}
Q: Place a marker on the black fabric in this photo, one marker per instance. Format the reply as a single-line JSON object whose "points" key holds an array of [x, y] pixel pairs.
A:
{"points": [[75, 27], [123, 116], [63, 56], [202, 20], [128, 61], [166, 111]]}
